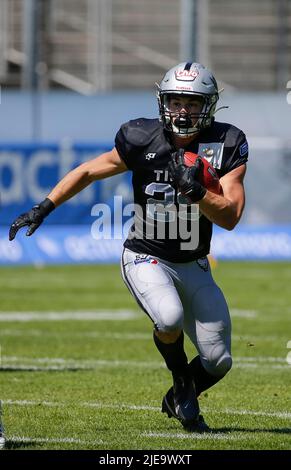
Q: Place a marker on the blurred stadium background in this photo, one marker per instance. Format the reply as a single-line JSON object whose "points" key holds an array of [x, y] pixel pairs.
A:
{"points": [[72, 71]]}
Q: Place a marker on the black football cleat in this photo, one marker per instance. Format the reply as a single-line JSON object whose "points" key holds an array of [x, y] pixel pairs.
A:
{"points": [[198, 426], [181, 402], [184, 398], [186, 411]]}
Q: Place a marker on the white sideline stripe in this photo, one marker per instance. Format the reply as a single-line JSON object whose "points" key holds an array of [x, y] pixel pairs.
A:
{"points": [[126, 406], [75, 315], [51, 440]]}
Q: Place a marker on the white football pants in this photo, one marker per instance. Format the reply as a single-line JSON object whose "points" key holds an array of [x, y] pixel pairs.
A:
{"points": [[183, 296]]}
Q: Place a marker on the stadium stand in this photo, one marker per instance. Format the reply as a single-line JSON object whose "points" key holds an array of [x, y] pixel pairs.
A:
{"points": [[116, 44]]}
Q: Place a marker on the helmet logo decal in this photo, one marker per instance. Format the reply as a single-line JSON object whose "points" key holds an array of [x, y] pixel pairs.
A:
{"points": [[186, 75]]}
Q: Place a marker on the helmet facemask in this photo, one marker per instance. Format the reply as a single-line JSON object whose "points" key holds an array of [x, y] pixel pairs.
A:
{"points": [[185, 124]]}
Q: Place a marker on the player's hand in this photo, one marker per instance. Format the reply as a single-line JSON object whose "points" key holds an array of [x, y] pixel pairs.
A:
{"points": [[32, 219], [186, 178]]}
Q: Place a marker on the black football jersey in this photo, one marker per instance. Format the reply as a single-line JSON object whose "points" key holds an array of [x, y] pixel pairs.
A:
{"points": [[145, 148]]}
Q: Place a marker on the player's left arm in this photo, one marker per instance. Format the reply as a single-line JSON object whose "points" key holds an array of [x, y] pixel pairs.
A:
{"points": [[226, 210]]}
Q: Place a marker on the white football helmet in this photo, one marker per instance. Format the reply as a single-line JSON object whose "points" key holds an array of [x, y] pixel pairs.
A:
{"points": [[187, 78]]}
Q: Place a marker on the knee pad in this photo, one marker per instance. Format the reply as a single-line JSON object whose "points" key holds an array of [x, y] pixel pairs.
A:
{"points": [[170, 314], [218, 363], [223, 365]]}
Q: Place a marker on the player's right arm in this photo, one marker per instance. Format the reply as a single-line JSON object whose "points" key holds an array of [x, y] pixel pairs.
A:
{"points": [[107, 164]]}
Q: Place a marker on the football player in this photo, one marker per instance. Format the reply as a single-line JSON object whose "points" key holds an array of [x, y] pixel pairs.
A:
{"points": [[171, 283]]}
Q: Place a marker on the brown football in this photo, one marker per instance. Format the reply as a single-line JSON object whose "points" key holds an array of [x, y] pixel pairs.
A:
{"points": [[208, 176]]}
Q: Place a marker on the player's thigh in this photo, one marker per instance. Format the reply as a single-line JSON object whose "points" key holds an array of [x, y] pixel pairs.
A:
{"points": [[153, 288]]}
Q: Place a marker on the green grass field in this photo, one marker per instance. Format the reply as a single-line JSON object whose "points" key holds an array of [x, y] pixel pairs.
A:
{"points": [[94, 380]]}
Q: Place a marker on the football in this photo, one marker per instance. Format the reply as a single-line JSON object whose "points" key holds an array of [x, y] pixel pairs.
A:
{"points": [[208, 177]]}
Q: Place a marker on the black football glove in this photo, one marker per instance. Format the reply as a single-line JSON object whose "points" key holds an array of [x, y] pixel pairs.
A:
{"points": [[31, 219], [186, 178]]}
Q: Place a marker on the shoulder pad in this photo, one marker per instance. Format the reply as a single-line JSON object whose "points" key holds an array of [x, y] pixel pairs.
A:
{"points": [[228, 133], [140, 132]]}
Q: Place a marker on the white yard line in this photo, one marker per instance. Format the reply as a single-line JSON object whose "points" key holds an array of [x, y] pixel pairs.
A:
{"points": [[260, 359], [194, 436], [116, 335], [76, 367], [24, 332], [237, 312], [51, 440], [262, 337], [60, 363], [64, 316], [92, 315], [248, 365], [126, 406], [83, 404], [30, 368], [267, 414], [34, 403], [70, 362], [74, 334], [122, 406]]}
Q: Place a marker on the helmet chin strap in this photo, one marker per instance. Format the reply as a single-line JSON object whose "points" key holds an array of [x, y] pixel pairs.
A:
{"points": [[183, 122], [185, 136]]}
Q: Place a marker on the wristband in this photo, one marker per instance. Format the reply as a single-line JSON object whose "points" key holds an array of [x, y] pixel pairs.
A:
{"points": [[45, 207]]}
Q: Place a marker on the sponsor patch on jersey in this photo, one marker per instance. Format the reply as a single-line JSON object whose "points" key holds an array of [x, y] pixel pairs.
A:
{"points": [[186, 75], [145, 259], [244, 148], [203, 263], [212, 152]]}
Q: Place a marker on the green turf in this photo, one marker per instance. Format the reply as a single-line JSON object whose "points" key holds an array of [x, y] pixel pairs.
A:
{"points": [[100, 383]]}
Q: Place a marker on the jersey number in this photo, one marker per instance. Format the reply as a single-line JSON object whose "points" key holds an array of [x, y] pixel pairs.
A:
{"points": [[166, 194]]}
